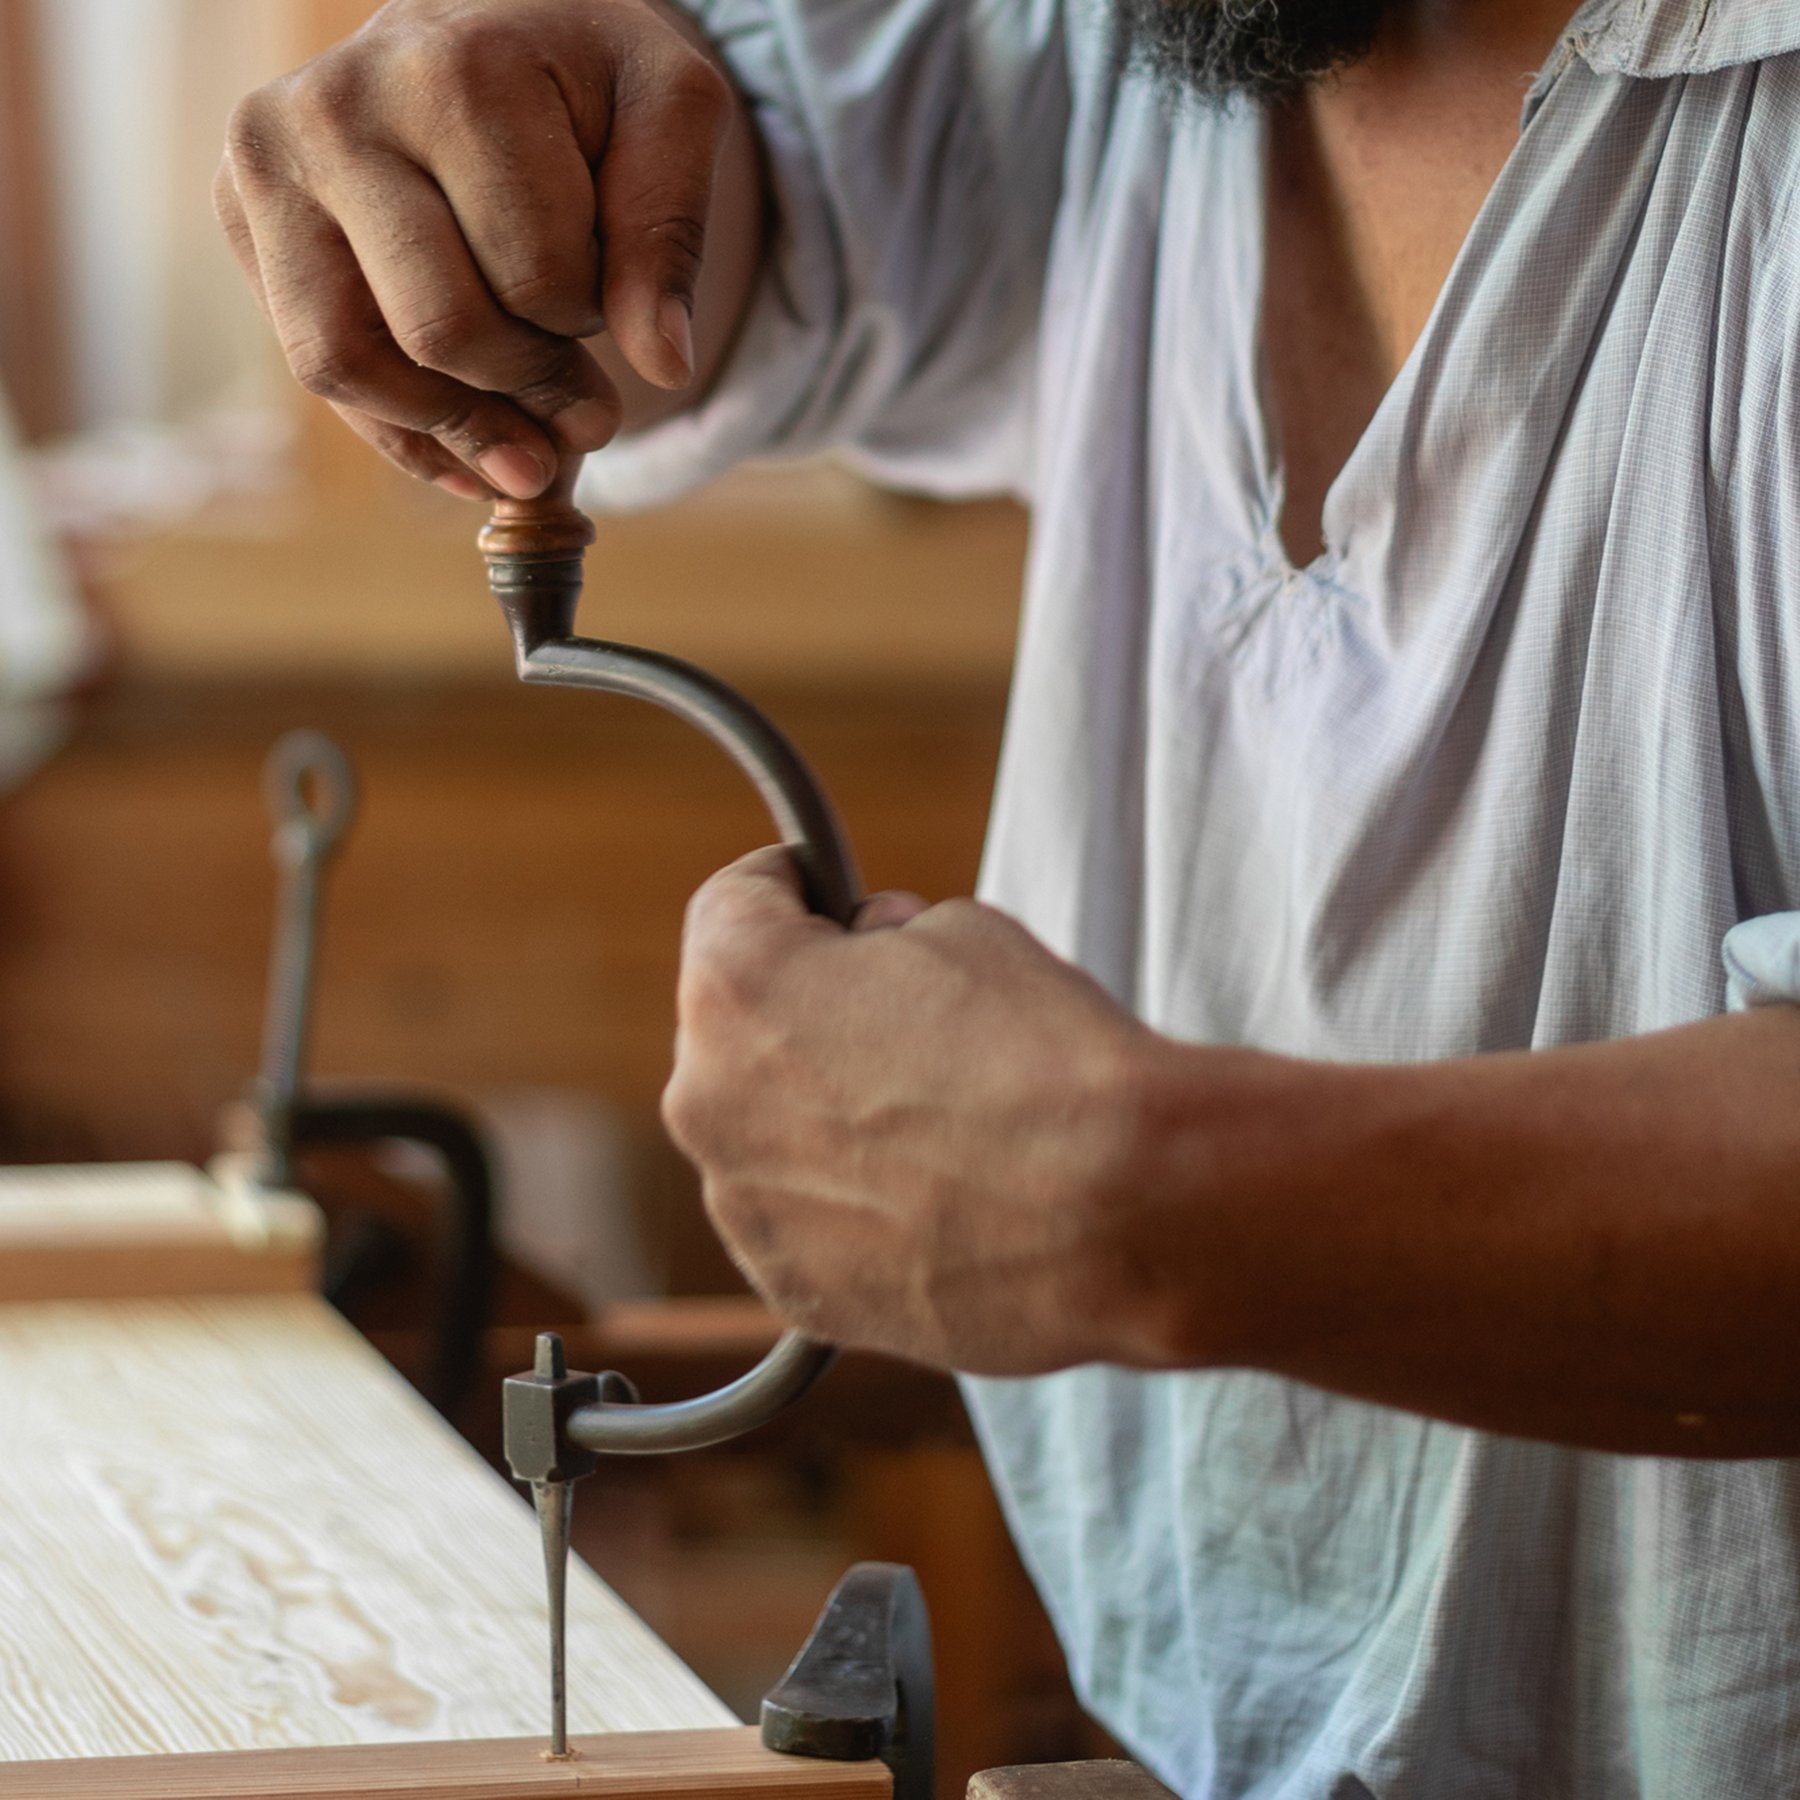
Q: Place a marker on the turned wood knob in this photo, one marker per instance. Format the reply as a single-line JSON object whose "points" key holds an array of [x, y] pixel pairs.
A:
{"points": [[551, 526], [534, 551]]}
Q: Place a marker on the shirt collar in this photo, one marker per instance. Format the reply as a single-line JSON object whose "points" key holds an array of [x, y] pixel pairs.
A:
{"points": [[1655, 38]]}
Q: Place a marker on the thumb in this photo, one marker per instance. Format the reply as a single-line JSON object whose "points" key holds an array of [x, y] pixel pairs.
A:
{"points": [[654, 189]]}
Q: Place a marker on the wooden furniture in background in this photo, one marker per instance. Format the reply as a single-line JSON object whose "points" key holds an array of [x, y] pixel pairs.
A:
{"points": [[790, 575], [33, 371], [127, 1230], [507, 912], [1103, 1779]]}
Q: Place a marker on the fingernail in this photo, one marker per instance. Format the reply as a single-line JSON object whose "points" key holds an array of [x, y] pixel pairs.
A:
{"points": [[514, 471], [586, 425], [464, 487], [677, 328]]}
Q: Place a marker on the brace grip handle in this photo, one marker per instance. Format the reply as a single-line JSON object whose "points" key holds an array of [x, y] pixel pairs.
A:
{"points": [[534, 551]]}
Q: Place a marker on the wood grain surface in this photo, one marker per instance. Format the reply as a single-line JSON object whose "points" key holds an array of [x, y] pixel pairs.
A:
{"points": [[226, 1524], [660, 1765]]}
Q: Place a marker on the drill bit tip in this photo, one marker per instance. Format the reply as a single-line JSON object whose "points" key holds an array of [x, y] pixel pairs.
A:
{"points": [[555, 1503]]}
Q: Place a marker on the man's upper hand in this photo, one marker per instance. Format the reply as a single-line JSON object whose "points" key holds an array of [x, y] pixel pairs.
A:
{"points": [[435, 212]]}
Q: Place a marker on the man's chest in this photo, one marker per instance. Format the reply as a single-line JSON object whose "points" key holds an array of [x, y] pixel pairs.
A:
{"points": [[1510, 700]]}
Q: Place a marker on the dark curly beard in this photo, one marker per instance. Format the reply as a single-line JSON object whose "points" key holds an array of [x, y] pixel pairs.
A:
{"points": [[1257, 49]]}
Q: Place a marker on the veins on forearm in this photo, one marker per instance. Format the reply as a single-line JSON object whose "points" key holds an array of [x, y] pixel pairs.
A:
{"points": [[1598, 1245]]}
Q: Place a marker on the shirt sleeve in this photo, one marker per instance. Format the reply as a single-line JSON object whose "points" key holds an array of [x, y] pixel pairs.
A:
{"points": [[915, 158], [1762, 962]]}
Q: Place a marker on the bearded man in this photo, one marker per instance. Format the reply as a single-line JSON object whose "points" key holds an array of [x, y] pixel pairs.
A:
{"points": [[1366, 1201]]}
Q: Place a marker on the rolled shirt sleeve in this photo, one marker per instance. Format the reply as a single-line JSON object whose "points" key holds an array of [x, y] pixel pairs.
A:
{"points": [[1762, 961], [914, 156]]}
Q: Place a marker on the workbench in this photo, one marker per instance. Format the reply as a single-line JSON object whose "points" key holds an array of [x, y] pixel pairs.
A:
{"points": [[227, 1526]]}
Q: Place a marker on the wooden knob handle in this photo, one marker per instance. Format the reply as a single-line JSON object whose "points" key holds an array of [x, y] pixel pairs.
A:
{"points": [[534, 551], [551, 527]]}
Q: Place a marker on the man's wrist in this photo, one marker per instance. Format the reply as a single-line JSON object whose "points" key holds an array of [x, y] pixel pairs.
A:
{"points": [[1205, 1229]]}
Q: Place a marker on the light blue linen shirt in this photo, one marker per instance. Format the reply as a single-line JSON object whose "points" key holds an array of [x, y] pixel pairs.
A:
{"points": [[1506, 766]]}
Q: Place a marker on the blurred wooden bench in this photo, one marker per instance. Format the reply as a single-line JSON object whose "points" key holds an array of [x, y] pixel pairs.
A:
{"points": [[122, 1230], [1105, 1779], [227, 1525]]}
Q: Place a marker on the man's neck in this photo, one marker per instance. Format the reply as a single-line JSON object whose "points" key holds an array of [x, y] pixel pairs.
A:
{"points": [[1494, 32], [1375, 178]]}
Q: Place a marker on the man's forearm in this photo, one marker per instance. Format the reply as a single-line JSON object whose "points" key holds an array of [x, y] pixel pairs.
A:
{"points": [[974, 1157], [1598, 1245]]}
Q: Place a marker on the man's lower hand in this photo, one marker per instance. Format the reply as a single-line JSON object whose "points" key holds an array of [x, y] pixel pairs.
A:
{"points": [[917, 1136]]}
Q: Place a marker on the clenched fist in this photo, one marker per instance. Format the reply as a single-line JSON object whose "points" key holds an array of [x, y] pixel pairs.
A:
{"points": [[928, 1135], [437, 211]]}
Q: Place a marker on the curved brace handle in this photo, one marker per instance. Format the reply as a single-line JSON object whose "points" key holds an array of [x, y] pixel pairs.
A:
{"points": [[534, 551]]}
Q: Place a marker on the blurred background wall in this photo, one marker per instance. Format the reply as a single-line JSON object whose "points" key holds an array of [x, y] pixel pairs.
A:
{"points": [[195, 557], [122, 308], [135, 92]]}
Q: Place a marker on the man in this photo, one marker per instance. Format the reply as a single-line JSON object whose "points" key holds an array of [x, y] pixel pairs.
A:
{"points": [[1408, 401]]}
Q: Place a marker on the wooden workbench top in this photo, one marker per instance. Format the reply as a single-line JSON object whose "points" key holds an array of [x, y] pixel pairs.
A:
{"points": [[629, 1765], [226, 1524]]}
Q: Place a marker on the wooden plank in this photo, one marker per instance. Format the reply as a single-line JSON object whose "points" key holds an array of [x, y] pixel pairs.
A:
{"points": [[136, 1230], [1104, 1779], [665, 1765], [693, 1325], [226, 1524]]}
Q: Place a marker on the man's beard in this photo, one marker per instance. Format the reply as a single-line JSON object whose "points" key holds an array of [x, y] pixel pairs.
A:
{"points": [[1261, 49]]}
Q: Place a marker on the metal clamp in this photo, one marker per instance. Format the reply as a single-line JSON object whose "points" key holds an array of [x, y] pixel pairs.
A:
{"points": [[311, 792], [310, 787], [861, 1686]]}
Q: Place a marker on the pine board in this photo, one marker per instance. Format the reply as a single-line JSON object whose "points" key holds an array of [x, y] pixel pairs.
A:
{"points": [[675, 1765], [226, 1524]]}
